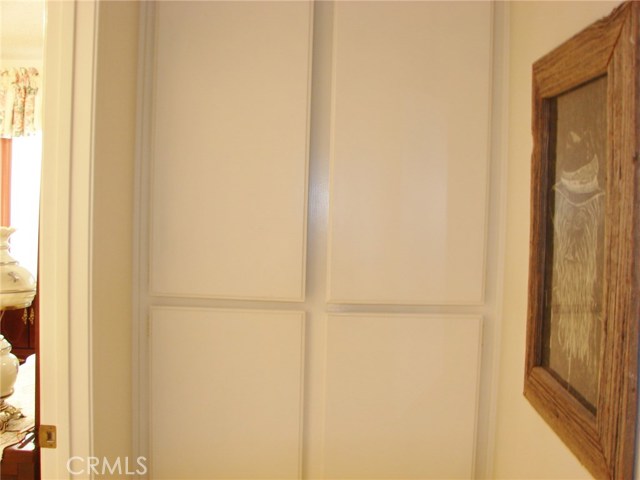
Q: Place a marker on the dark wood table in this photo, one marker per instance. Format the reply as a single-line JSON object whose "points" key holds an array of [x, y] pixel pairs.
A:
{"points": [[19, 462]]}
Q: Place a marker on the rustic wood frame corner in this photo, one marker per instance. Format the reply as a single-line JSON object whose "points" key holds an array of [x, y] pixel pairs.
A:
{"points": [[603, 440]]}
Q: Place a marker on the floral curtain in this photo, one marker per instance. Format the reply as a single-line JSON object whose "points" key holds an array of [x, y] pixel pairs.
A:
{"points": [[19, 102]]}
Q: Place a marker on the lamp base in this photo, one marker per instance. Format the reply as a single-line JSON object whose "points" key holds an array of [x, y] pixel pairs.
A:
{"points": [[8, 413], [9, 365]]}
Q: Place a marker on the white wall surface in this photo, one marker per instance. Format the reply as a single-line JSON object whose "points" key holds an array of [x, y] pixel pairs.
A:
{"points": [[86, 224], [525, 446], [113, 169]]}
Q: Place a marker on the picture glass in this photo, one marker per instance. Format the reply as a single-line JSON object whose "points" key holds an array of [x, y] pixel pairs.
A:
{"points": [[574, 287]]}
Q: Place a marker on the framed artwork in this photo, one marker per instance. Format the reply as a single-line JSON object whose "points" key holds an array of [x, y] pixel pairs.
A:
{"points": [[584, 272]]}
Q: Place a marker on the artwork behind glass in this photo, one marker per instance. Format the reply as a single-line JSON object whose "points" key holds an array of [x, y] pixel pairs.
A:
{"points": [[574, 269]]}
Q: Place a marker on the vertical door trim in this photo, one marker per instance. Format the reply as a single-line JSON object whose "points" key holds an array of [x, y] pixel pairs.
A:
{"points": [[66, 220], [140, 294], [496, 241]]}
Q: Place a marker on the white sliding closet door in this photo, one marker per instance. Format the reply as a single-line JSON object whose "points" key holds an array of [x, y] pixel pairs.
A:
{"points": [[409, 159], [317, 197], [230, 149]]}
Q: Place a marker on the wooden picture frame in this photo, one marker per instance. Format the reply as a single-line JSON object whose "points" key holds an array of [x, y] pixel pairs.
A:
{"points": [[584, 278]]}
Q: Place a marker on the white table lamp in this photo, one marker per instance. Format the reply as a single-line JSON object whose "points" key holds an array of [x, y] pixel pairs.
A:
{"points": [[17, 290]]}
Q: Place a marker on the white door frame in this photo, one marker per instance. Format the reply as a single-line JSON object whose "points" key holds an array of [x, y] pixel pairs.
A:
{"points": [[65, 232]]}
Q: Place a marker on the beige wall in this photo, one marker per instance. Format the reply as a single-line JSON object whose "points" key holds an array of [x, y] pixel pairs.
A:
{"points": [[525, 446], [115, 130]]}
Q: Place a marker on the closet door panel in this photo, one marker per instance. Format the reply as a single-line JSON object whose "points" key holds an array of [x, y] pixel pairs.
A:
{"points": [[230, 149], [410, 144], [226, 393], [401, 396]]}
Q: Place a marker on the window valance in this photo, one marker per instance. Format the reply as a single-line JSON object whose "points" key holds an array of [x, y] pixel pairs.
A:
{"points": [[20, 105]]}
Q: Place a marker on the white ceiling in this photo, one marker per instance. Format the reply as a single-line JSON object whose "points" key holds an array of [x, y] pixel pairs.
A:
{"points": [[21, 30]]}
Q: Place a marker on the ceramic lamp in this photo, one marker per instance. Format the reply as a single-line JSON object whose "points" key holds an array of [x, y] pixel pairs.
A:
{"points": [[9, 368], [17, 290], [17, 285]]}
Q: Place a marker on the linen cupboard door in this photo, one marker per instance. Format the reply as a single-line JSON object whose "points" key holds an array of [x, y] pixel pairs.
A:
{"points": [[316, 196], [410, 143], [230, 147], [228, 179]]}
